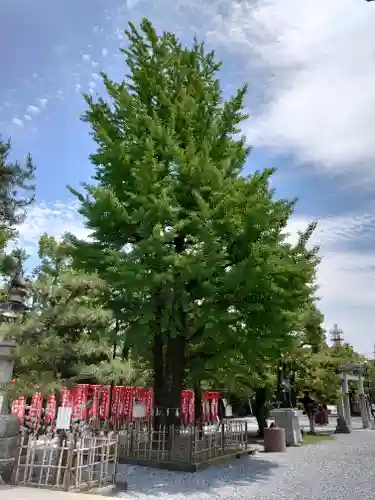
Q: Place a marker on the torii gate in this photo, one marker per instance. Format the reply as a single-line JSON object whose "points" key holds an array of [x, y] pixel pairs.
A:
{"points": [[354, 372]]}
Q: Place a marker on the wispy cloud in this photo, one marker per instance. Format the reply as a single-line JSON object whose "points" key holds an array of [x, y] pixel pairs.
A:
{"points": [[346, 277], [43, 101], [18, 122], [317, 61], [52, 218], [33, 109]]}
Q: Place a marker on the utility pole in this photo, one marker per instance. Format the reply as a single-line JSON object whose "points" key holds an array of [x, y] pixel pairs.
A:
{"points": [[336, 336]]}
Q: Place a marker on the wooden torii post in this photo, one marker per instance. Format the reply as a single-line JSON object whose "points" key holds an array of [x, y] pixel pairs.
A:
{"points": [[353, 372]]}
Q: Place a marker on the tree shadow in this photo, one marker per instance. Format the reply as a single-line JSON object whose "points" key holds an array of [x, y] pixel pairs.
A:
{"points": [[155, 482]]}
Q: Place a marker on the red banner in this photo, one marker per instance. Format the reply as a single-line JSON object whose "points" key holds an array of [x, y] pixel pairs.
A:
{"points": [[80, 396], [36, 408], [66, 399], [129, 397], [116, 394], [50, 414], [96, 391], [18, 409], [104, 408], [120, 409]]}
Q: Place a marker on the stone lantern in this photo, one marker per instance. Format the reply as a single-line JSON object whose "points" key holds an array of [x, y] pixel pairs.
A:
{"points": [[15, 304], [10, 309]]}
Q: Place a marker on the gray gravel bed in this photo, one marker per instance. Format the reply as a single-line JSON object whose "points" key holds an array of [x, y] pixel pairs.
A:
{"points": [[330, 470]]}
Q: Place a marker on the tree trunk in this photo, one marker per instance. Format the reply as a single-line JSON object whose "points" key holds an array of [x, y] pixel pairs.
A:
{"points": [[198, 422], [175, 360], [197, 402], [260, 410], [158, 368], [260, 415]]}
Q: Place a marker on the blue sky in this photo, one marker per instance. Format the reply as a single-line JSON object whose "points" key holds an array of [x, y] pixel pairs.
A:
{"points": [[311, 75]]}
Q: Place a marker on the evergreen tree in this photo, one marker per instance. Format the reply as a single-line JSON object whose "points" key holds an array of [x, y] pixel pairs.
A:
{"points": [[195, 251], [16, 194], [66, 336]]}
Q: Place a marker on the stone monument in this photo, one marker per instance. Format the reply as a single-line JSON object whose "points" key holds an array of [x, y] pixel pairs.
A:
{"points": [[288, 419], [9, 424]]}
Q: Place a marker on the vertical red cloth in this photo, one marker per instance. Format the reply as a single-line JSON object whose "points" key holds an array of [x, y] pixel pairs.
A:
{"points": [[104, 408], [95, 391], [66, 398], [50, 415], [80, 397], [36, 410], [18, 409]]}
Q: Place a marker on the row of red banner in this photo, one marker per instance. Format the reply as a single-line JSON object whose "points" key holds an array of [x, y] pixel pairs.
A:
{"points": [[105, 403]]}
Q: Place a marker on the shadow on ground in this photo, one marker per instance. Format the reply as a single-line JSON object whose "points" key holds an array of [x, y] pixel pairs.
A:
{"points": [[156, 482]]}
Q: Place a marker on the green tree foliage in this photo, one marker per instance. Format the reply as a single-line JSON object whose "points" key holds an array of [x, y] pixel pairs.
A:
{"points": [[318, 372], [16, 192], [66, 338], [370, 376], [195, 250]]}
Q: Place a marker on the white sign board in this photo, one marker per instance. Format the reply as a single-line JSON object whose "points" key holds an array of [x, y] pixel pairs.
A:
{"points": [[64, 416], [139, 410], [228, 411]]}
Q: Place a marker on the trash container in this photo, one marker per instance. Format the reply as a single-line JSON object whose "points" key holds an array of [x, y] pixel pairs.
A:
{"points": [[274, 440]]}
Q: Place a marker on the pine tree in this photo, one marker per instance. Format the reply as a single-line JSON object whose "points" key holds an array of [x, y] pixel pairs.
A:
{"points": [[194, 249], [16, 194], [66, 337]]}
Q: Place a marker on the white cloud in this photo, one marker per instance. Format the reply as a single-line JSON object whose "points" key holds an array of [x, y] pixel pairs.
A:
{"points": [[94, 64], [43, 101], [27, 117], [131, 3], [86, 57], [55, 219], [95, 76], [33, 109], [92, 85], [320, 92], [104, 52], [17, 122], [346, 277]]}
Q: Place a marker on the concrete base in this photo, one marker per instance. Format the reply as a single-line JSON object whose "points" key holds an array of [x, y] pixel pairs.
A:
{"points": [[9, 445], [184, 466], [274, 440], [342, 427], [288, 419]]}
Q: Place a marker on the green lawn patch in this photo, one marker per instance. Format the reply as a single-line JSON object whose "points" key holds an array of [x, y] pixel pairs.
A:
{"points": [[317, 438]]}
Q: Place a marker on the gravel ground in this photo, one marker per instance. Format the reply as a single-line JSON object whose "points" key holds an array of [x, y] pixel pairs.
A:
{"points": [[329, 470]]}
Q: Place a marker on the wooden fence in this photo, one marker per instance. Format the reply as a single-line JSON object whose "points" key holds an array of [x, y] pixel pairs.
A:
{"points": [[67, 463], [189, 444]]}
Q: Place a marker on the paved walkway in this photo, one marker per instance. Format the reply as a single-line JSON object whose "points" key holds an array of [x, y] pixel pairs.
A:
{"points": [[334, 470]]}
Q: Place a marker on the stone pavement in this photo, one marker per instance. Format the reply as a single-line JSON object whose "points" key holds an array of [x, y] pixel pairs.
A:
{"points": [[342, 469], [334, 470], [37, 494]]}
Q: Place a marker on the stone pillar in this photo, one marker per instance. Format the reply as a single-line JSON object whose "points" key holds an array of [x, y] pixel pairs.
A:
{"points": [[363, 403], [341, 427], [9, 424], [345, 390], [288, 419]]}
